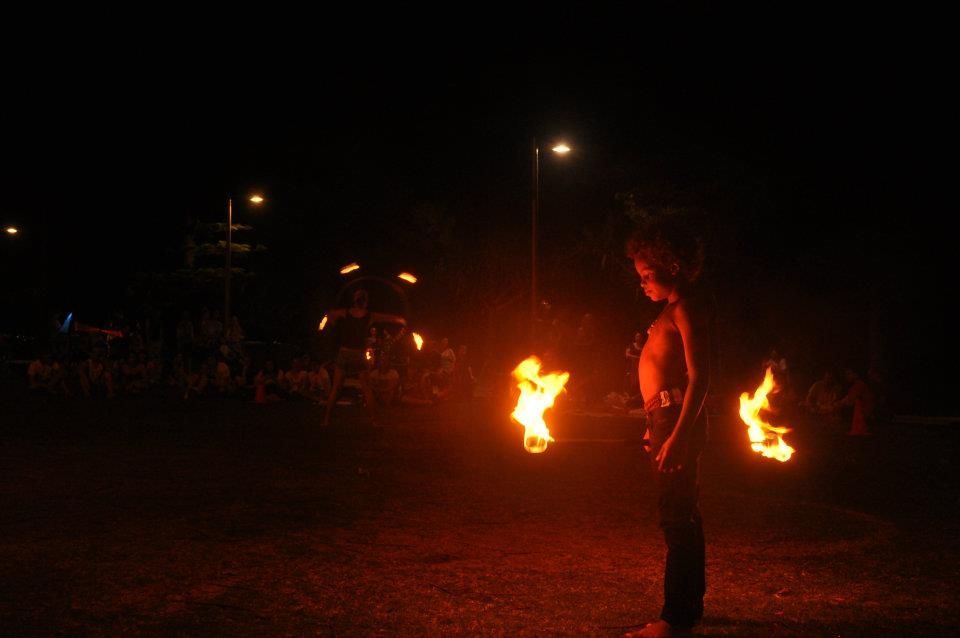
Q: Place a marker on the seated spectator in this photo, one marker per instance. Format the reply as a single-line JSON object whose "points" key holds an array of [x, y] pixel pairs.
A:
{"points": [[448, 358], [134, 374], [243, 381], [822, 397], [860, 398], [417, 386], [222, 378], [197, 382], [178, 372], [296, 381], [428, 358], [58, 378], [266, 388], [38, 374], [384, 382], [96, 377], [47, 375]]}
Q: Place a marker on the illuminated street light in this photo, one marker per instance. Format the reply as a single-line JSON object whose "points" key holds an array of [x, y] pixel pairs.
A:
{"points": [[560, 149], [255, 200]]}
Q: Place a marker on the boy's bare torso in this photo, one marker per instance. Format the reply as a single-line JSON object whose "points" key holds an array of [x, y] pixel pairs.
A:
{"points": [[662, 365]]}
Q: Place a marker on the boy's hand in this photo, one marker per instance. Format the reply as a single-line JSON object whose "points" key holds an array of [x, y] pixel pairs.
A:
{"points": [[670, 454]]}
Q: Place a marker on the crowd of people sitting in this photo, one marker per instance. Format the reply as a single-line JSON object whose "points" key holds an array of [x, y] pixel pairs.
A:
{"points": [[855, 400], [210, 360], [833, 400]]}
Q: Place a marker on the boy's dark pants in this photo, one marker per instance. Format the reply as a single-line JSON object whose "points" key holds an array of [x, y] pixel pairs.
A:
{"points": [[684, 582]]}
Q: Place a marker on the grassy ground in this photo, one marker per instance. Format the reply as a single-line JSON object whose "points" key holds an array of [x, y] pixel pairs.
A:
{"points": [[162, 518]]}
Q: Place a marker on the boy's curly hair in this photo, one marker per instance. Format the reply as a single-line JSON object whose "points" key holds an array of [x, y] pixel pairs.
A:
{"points": [[662, 242]]}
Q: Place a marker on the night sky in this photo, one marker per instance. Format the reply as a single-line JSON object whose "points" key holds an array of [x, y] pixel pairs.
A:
{"points": [[820, 132]]}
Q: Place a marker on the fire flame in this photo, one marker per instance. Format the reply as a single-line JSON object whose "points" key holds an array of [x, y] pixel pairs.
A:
{"points": [[409, 278], [323, 323], [418, 340], [537, 394], [349, 268], [764, 438]]}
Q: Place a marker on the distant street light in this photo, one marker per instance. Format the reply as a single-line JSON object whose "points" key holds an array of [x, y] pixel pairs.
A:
{"points": [[12, 230], [559, 149], [255, 200]]}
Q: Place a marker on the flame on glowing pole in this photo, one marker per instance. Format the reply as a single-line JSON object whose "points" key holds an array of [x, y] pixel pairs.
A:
{"points": [[537, 394], [764, 438]]}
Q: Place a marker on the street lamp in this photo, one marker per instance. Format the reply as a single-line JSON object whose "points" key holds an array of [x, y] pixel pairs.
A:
{"points": [[255, 200], [559, 149]]}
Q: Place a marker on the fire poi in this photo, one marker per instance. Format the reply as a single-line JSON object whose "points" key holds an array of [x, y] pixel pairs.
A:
{"points": [[764, 437], [537, 394]]}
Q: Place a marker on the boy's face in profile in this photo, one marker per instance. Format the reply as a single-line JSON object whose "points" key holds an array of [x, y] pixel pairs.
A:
{"points": [[656, 283]]}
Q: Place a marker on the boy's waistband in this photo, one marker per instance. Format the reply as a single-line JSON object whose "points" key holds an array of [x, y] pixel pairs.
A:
{"points": [[664, 399]]}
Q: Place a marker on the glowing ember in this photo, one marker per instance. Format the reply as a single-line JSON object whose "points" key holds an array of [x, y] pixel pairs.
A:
{"points": [[537, 394], [417, 339], [368, 354], [764, 438], [323, 323]]}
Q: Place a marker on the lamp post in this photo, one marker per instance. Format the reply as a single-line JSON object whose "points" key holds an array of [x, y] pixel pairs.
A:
{"points": [[253, 199], [559, 149]]}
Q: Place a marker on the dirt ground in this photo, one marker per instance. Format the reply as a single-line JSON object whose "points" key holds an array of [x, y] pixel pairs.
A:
{"points": [[149, 517]]}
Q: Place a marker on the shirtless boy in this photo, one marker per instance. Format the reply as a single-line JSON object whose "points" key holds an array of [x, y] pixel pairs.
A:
{"points": [[674, 376]]}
